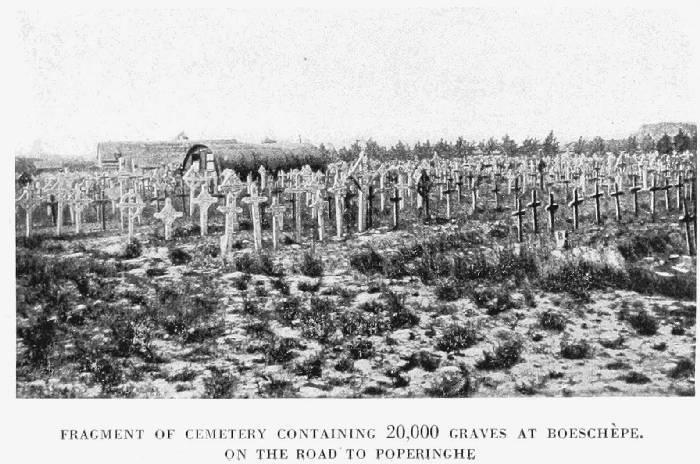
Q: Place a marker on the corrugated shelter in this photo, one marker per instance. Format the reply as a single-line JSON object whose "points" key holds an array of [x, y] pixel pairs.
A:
{"points": [[222, 154]]}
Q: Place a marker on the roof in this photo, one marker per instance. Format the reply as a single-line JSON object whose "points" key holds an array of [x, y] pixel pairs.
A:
{"points": [[153, 154]]}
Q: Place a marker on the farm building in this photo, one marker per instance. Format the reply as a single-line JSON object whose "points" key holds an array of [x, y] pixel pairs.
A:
{"points": [[214, 155]]}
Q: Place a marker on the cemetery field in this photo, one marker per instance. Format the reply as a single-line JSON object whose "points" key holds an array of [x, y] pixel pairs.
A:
{"points": [[436, 308]]}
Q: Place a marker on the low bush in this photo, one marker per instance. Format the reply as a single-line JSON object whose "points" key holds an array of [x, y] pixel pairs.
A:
{"points": [[457, 337], [311, 265], [505, 355], [550, 320], [574, 349]]}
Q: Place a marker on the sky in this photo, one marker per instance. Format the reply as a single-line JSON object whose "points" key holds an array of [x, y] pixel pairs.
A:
{"points": [[335, 76]]}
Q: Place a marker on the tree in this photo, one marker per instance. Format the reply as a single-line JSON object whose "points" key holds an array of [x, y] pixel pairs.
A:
{"points": [[491, 146], [580, 146], [647, 145], [530, 147], [550, 145], [508, 146], [631, 145], [597, 146], [681, 142], [664, 146]]}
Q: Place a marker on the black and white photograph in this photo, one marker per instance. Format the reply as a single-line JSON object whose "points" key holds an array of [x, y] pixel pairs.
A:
{"points": [[355, 203]]}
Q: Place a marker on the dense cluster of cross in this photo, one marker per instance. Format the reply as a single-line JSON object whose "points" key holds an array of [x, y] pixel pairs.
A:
{"points": [[431, 186]]}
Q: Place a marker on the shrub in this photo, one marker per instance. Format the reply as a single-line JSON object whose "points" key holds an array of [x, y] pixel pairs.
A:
{"points": [[361, 349], [278, 387], [457, 337], [317, 322], [311, 266], [367, 261], [453, 383], [280, 350], [312, 367], [364, 323], [574, 349], [683, 368], [178, 256], [424, 359], [220, 384], [132, 249], [636, 378], [311, 287], [551, 320], [256, 264], [345, 363], [643, 322], [448, 290], [506, 354]]}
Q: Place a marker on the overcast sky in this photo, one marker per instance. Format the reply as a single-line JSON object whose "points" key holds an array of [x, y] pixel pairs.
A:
{"points": [[336, 76]]}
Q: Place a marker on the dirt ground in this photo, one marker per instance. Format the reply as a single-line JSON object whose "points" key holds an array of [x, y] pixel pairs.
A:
{"points": [[443, 308]]}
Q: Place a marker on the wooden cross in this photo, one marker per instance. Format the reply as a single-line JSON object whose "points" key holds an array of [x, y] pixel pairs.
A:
{"points": [[551, 208], [129, 203], [534, 204], [168, 215], [519, 213], [686, 219], [634, 189], [79, 202], [616, 194], [459, 183], [297, 192], [318, 205], [679, 190], [448, 191], [339, 190], [60, 191], [666, 189], [28, 201], [231, 211], [596, 195], [182, 195], [652, 190], [254, 201], [575, 205], [204, 200], [495, 193], [277, 212]]}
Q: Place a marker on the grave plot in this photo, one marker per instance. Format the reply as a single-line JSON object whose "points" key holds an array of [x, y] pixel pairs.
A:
{"points": [[474, 277]]}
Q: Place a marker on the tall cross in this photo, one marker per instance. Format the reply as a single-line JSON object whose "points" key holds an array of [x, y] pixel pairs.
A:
{"points": [[519, 213], [534, 204], [686, 219], [255, 201], [652, 190], [129, 203], [596, 195], [231, 211], [448, 191], [28, 201], [616, 194], [277, 212], [634, 189], [551, 208], [339, 190], [204, 200], [575, 205]]}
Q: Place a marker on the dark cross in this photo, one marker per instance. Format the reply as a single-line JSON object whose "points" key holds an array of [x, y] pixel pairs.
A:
{"points": [[495, 192], [330, 199], [395, 200], [691, 184], [616, 194], [534, 204], [686, 219], [519, 213], [596, 195], [516, 189], [183, 197], [370, 205], [551, 208], [448, 191], [634, 190], [102, 201], [459, 184], [575, 204]]}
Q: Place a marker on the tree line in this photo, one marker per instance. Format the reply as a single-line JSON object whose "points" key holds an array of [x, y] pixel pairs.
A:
{"points": [[530, 147]]}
